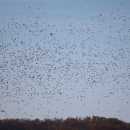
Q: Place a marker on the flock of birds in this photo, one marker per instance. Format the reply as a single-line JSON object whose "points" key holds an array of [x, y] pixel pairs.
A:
{"points": [[46, 67]]}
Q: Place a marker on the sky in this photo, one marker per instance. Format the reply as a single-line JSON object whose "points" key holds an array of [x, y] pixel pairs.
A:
{"points": [[64, 58]]}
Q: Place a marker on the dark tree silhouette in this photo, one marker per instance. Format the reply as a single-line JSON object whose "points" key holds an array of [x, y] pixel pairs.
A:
{"points": [[87, 123]]}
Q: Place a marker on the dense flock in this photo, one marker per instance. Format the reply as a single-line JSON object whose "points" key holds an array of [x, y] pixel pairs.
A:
{"points": [[52, 67]]}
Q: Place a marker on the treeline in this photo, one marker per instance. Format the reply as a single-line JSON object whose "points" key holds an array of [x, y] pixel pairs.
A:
{"points": [[87, 123]]}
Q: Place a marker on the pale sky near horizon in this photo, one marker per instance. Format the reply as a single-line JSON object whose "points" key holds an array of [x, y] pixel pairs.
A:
{"points": [[64, 58]]}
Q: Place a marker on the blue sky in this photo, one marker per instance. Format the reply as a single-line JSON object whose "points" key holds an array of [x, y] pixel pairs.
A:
{"points": [[82, 69]]}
